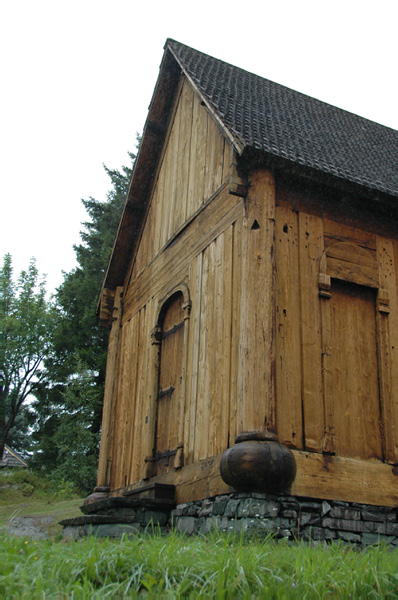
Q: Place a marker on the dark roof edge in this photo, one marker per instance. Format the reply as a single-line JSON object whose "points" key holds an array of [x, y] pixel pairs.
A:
{"points": [[303, 95], [233, 137], [252, 158], [134, 208], [15, 455], [154, 132], [145, 167]]}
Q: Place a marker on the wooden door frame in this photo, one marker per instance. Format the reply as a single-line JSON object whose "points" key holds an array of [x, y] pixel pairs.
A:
{"points": [[360, 267], [156, 340]]}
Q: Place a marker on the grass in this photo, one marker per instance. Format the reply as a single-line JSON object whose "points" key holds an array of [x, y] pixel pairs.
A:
{"points": [[23, 493], [219, 565], [174, 566], [65, 509]]}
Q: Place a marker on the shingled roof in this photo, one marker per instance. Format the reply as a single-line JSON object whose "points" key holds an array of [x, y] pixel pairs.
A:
{"points": [[272, 118], [262, 118], [11, 458]]}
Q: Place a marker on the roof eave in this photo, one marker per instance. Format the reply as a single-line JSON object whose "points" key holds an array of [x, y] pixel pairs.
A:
{"points": [[143, 172], [146, 162], [234, 138], [251, 158]]}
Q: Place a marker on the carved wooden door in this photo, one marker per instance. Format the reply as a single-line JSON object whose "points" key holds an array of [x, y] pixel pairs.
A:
{"points": [[170, 386], [352, 398]]}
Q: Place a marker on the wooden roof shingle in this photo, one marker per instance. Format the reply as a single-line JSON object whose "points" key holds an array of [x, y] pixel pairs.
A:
{"points": [[264, 118], [11, 458], [272, 118]]}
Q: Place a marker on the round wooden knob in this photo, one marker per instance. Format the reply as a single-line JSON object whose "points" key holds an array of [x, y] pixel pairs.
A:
{"points": [[262, 465]]}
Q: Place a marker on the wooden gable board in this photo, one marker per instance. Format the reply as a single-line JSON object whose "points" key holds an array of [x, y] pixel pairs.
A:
{"points": [[193, 165]]}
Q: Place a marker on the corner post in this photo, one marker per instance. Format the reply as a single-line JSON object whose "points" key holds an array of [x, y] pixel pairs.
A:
{"points": [[257, 389], [110, 393]]}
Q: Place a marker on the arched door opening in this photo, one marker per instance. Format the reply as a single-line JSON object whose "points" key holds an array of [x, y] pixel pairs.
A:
{"points": [[170, 385]]}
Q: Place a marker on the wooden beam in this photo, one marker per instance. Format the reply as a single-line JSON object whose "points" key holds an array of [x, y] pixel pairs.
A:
{"points": [[318, 476], [257, 343], [110, 393], [106, 301]]}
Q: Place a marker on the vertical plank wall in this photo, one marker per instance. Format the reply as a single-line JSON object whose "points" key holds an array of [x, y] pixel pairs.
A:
{"points": [[232, 255], [215, 411], [193, 166], [306, 409], [223, 260]]}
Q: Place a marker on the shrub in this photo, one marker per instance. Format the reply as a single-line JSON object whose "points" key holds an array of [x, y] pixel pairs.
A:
{"points": [[18, 484]]}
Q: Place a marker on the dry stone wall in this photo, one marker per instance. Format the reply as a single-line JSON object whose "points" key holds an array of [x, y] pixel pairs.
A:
{"points": [[289, 517], [254, 514]]}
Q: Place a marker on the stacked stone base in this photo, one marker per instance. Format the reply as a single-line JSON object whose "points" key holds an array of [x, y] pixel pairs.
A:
{"points": [[116, 516], [290, 518], [253, 514]]}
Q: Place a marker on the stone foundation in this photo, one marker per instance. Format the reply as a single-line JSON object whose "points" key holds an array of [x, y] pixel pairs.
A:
{"points": [[254, 514], [288, 517], [112, 517]]}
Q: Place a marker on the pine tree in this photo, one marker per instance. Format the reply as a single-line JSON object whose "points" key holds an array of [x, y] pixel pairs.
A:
{"points": [[69, 412]]}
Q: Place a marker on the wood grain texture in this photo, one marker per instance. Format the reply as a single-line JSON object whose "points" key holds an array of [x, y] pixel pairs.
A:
{"points": [[210, 222], [387, 253], [288, 330], [110, 393], [352, 362], [318, 476], [310, 253], [268, 344], [190, 171], [169, 397], [256, 407]]}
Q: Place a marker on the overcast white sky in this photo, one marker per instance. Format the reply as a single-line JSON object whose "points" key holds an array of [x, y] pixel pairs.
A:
{"points": [[77, 78]]}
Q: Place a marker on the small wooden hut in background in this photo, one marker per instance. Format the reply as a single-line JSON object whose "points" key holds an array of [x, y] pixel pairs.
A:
{"points": [[253, 286], [12, 459]]}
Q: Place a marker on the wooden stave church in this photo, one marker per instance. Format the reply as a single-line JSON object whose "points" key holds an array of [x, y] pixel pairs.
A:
{"points": [[259, 234]]}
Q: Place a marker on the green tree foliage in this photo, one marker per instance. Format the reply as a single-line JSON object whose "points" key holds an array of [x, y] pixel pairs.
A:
{"points": [[26, 324], [69, 412]]}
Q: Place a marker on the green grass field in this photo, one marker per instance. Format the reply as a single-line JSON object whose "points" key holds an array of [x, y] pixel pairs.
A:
{"points": [[174, 566]]}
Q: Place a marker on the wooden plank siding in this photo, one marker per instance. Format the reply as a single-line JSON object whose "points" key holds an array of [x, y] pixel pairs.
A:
{"points": [[193, 166], [190, 198], [335, 354], [275, 298]]}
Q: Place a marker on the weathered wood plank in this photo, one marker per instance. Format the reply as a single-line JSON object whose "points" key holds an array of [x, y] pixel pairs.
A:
{"points": [[350, 271], [202, 400], [346, 479], [219, 408], [339, 232], [143, 366], [388, 344], [288, 334], [352, 362], [197, 165], [223, 365], [209, 223], [183, 158], [127, 424], [318, 476], [119, 442], [257, 377], [353, 253], [190, 171], [151, 388], [310, 252], [193, 356], [214, 158], [110, 393], [236, 308]]}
